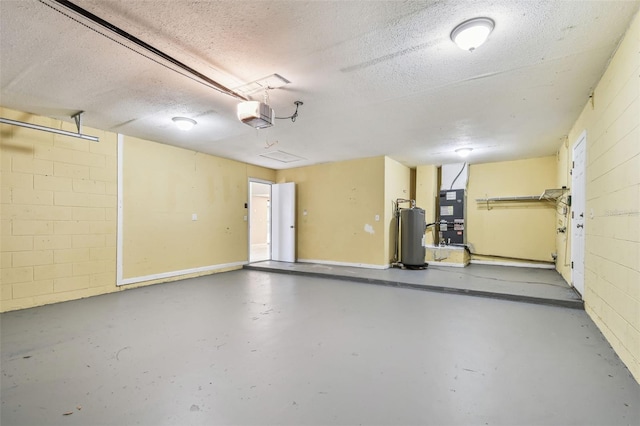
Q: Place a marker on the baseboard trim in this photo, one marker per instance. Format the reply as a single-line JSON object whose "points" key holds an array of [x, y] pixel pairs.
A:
{"points": [[163, 275], [515, 264]]}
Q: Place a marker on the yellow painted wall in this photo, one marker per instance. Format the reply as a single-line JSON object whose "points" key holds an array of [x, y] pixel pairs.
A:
{"points": [[524, 230], [261, 173], [426, 196], [397, 184], [341, 201], [163, 187], [612, 225], [58, 213]]}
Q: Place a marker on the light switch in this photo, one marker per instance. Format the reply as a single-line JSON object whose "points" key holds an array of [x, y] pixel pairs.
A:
{"points": [[194, 216], [377, 218]]}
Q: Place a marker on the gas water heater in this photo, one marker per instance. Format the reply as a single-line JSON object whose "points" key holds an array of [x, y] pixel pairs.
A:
{"points": [[412, 227]]}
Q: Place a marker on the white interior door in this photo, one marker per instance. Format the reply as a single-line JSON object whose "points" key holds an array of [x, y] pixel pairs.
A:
{"points": [[283, 222], [578, 206]]}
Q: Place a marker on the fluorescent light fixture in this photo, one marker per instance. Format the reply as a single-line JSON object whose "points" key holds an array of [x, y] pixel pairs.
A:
{"points": [[184, 123], [464, 152], [470, 34]]}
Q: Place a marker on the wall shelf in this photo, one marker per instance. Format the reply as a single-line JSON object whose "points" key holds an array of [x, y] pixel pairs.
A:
{"points": [[555, 194], [518, 198]]}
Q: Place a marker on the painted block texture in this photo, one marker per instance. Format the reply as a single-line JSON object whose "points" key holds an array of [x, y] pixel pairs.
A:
{"points": [[54, 213], [336, 208], [612, 228], [163, 187], [519, 230]]}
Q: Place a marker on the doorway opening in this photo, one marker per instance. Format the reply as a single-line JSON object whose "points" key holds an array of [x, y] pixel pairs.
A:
{"points": [[259, 221]]}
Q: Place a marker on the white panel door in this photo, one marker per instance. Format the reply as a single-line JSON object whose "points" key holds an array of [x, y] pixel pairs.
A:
{"points": [[578, 206], [283, 222]]}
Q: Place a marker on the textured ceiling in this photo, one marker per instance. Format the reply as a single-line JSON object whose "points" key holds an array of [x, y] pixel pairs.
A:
{"points": [[376, 77]]}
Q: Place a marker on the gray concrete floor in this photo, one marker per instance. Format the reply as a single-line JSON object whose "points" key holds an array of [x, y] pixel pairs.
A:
{"points": [[250, 347], [543, 286]]}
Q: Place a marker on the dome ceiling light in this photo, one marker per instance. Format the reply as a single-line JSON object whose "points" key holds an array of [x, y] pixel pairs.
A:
{"points": [[464, 152], [471, 34], [184, 123]]}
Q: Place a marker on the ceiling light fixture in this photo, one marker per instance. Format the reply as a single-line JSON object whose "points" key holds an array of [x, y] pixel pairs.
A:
{"points": [[464, 152], [184, 123], [471, 34]]}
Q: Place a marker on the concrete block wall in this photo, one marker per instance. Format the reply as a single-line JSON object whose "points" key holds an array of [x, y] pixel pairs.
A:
{"points": [[612, 258], [337, 204], [612, 224], [519, 230], [163, 186], [58, 213]]}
